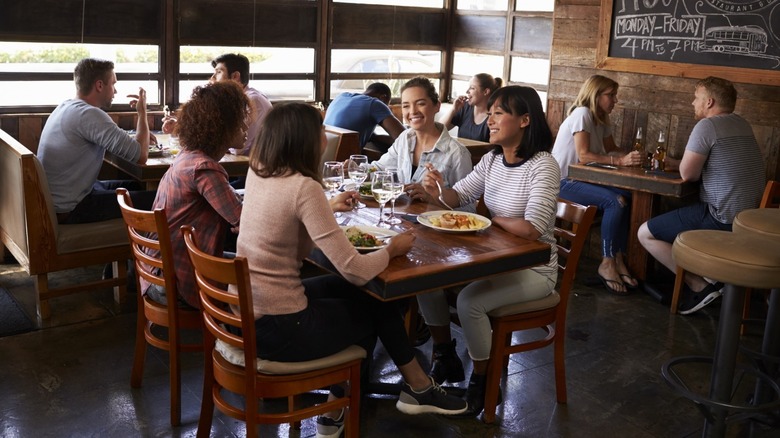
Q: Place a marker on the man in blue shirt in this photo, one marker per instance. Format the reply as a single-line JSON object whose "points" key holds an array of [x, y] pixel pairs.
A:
{"points": [[362, 112]]}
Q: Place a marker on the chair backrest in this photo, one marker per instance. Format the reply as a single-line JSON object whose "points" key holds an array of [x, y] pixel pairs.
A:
{"points": [[571, 230], [771, 198], [214, 275], [149, 234]]}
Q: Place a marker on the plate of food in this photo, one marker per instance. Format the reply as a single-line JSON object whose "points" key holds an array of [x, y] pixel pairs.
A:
{"points": [[365, 190], [154, 151], [454, 221], [367, 238]]}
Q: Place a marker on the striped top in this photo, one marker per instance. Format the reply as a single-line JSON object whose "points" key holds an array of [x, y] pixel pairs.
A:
{"points": [[527, 190], [733, 176]]}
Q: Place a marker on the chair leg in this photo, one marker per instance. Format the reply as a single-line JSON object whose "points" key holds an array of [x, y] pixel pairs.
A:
{"points": [[493, 378], [42, 289], [175, 376], [136, 376], [295, 425], [207, 398], [120, 273], [353, 411], [746, 311], [678, 284], [560, 365]]}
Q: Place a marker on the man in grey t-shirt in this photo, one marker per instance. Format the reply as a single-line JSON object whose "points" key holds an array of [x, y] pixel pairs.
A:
{"points": [[74, 140], [723, 154]]}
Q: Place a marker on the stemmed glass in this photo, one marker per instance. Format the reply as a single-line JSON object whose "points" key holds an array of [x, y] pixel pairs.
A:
{"points": [[380, 188], [332, 178], [397, 189], [357, 168]]}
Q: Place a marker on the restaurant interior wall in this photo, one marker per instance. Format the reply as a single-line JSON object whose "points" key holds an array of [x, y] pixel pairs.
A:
{"points": [[653, 102]]}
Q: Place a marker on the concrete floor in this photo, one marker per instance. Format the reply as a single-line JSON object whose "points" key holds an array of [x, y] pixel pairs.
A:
{"points": [[71, 377]]}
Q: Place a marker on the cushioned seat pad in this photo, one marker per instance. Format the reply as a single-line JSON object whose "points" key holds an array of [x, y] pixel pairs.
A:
{"points": [[764, 221], [235, 356], [735, 258], [81, 237]]}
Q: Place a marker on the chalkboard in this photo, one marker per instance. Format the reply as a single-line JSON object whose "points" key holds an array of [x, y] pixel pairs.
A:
{"points": [[739, 40]]}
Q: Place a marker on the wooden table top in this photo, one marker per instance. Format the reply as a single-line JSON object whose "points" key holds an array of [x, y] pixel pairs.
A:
{"points": [[634, 178], [155, 167], [438, 259]]}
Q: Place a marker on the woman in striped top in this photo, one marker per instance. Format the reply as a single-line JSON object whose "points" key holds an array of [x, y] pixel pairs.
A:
{"points": [[520, 181]]}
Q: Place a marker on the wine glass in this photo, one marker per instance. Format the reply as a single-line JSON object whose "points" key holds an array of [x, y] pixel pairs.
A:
{"points": [[357, 168], [397, 189], [380, 188], [332, 178]]}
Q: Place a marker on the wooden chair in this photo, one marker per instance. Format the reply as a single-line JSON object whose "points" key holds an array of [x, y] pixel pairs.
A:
{"points": [[770, 199], [226, 354], [141, 227], [547, 314]]}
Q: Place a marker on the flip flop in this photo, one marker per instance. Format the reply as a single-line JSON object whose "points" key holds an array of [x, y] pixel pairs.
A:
{"points": [[628, 285], [611, 289]]}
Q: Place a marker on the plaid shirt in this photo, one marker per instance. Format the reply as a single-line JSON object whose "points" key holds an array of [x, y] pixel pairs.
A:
{"points": [[195, 191]]}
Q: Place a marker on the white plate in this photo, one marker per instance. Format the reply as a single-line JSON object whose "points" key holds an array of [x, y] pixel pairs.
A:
{"points": [[425, 219], [375, 231], [155, 152]]}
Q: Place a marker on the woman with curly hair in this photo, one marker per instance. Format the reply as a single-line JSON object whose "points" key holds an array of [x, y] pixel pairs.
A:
{"points": [[195, 190]]}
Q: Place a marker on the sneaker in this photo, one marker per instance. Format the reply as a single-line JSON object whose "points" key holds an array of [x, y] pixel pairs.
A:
{"points": [[446, 366], [695, 301], [328, 427], [433, 400]]}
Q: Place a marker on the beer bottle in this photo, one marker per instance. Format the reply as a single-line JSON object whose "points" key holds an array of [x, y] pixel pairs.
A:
{"points": [[638, 146], [660, 152]]}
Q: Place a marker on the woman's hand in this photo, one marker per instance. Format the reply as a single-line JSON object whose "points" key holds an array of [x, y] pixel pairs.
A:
{"points": [[632, 158], [430, 179], [458, 103], [400, 244], [344, 201], [416, 192]]}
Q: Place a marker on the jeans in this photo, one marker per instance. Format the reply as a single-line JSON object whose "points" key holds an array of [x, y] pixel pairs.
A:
{"points": [[614, 223], [101, 205]]}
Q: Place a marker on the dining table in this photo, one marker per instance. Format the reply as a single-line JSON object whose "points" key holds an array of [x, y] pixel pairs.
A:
{"points": [[646, 187], [161, 158], [439, 259]]}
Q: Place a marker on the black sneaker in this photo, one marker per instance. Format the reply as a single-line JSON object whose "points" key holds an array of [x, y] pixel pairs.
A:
{"points": [[446, 366], [695, 301], [328, 427], [433, 400]]}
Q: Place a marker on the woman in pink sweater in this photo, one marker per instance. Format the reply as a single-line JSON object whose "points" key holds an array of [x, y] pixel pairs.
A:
{"points": [[285, 215]]}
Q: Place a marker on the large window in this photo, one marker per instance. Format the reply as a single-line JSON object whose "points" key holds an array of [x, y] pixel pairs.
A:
{"points": [[41, 74], [418, 3], [356, 69], [270, 69]]}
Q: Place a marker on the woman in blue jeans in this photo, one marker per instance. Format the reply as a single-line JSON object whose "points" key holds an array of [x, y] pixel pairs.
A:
{"points": [[586, 136]]}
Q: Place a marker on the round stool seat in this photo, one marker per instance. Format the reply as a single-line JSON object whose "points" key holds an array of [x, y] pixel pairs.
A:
{"points": [[735, 258], [763, 221]]}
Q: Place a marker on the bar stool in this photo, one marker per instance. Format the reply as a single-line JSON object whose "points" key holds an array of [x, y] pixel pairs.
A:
{"points": [[764, 223], [740, 261]]}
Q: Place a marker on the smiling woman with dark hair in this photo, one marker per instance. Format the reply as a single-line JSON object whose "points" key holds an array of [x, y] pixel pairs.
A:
{"points": [[519, 181]]}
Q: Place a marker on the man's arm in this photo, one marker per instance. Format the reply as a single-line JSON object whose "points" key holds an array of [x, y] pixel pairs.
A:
{"points": [[393, 126], [142, 127], [691, 165]]}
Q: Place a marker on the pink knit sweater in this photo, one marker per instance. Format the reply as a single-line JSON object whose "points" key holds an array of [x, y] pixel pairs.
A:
{"points": [[282, 220]]}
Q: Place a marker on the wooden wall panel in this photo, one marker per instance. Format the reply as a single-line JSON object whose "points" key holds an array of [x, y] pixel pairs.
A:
{"points": [[377, 25], [480, 32], [288, 24], [654, 102]]}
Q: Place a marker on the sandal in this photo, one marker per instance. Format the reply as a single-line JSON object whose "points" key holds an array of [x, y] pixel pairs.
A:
{"points": [[628, 279], [612, 290]]}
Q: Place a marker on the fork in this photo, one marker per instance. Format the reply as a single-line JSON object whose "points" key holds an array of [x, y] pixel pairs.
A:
{"points": [[441, 198]]}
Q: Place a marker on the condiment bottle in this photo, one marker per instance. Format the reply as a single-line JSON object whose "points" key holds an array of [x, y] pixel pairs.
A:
{"points": [[660, 152]]}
